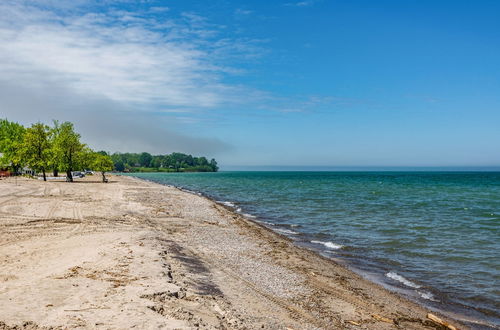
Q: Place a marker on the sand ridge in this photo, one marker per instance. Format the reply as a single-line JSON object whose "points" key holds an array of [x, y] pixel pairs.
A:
{"points": [[135, 254]]}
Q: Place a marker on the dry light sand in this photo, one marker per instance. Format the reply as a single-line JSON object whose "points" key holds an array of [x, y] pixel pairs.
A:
{"points": [[134, 254]]}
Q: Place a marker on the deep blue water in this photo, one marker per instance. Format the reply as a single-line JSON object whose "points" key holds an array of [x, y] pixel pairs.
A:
{"points": [[433, 236]]}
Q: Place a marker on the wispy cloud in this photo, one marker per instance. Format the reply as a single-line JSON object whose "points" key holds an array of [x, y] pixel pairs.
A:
{"points": [[304, 104], [243, 12], [124, 56], [305, 3]]}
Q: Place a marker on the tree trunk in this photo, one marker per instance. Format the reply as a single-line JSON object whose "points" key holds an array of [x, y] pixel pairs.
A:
{"points": [[44, 176], [55, 172], [103, 177], [69, 176]]}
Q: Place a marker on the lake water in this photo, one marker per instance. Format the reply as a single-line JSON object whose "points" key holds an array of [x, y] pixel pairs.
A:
{"points": [[433, 236]]}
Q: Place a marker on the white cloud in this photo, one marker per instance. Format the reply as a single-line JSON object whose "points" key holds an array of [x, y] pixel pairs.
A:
{"points": [[124, 56], [301, 3], [240, 11]]}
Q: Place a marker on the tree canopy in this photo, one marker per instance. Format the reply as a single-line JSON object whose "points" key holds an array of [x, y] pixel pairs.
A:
{"points": [[101, 163], [36, 149], [11, 143], [41, 147], [174, 162], [68, 149]]}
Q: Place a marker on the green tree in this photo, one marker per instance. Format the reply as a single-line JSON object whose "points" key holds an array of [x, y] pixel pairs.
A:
{"points": [[145, 159], [68, 149], [102, 163], [36, 149], [85, 158], [119, 166], [172, 162], [157, 161], [213, 165], [11, 143]]}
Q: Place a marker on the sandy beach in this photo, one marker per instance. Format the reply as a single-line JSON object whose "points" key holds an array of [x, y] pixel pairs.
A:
{"points": [[135, 254]]}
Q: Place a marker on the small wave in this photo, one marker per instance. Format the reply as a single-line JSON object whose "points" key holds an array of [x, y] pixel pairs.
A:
{"points": [[401, 279], [226, 203], [329, 245], [238, 209], [427, 295], [286, 231], [288, 225], [267, 223], [249, 215]]}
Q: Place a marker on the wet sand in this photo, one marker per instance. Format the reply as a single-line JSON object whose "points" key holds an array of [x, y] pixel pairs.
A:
{"points": [[135, 254]]}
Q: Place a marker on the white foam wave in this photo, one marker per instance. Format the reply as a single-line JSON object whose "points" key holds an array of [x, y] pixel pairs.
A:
{"points": [[286, 231], [238, 209], [267, 223], [249, 216], [329, 245], [395, 276], [427, 295], [227, 203]]}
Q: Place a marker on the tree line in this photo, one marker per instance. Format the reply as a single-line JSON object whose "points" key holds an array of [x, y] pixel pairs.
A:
{"points": [[174, 162], [44, 148], [58, 148]]}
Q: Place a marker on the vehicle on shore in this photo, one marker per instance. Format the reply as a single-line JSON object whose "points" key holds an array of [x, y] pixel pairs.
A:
{"points": [[78, 174]]}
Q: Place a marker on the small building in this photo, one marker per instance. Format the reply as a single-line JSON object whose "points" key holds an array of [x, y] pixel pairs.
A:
{"points": [[27, 171]]}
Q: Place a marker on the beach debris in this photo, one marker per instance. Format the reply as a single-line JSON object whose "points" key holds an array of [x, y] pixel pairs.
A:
{"points": [[353, 323], [382, 319], [437, 320]]}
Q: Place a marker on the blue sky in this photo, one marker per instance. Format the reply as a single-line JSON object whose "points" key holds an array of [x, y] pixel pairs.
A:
{"points": [[338, 83]]}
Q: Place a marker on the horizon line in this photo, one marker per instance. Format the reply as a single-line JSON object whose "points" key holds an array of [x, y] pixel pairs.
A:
{"points": [[454, 168]]}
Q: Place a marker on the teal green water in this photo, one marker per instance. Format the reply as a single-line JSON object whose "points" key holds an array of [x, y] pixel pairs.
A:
{"points": [[433, 236]]}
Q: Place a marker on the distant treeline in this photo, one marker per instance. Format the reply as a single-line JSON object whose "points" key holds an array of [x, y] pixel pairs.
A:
{"points": [[58, 148], [174, 162]]}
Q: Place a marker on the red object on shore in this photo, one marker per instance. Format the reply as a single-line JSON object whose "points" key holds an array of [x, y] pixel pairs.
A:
{"points": [[4, 174]]}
